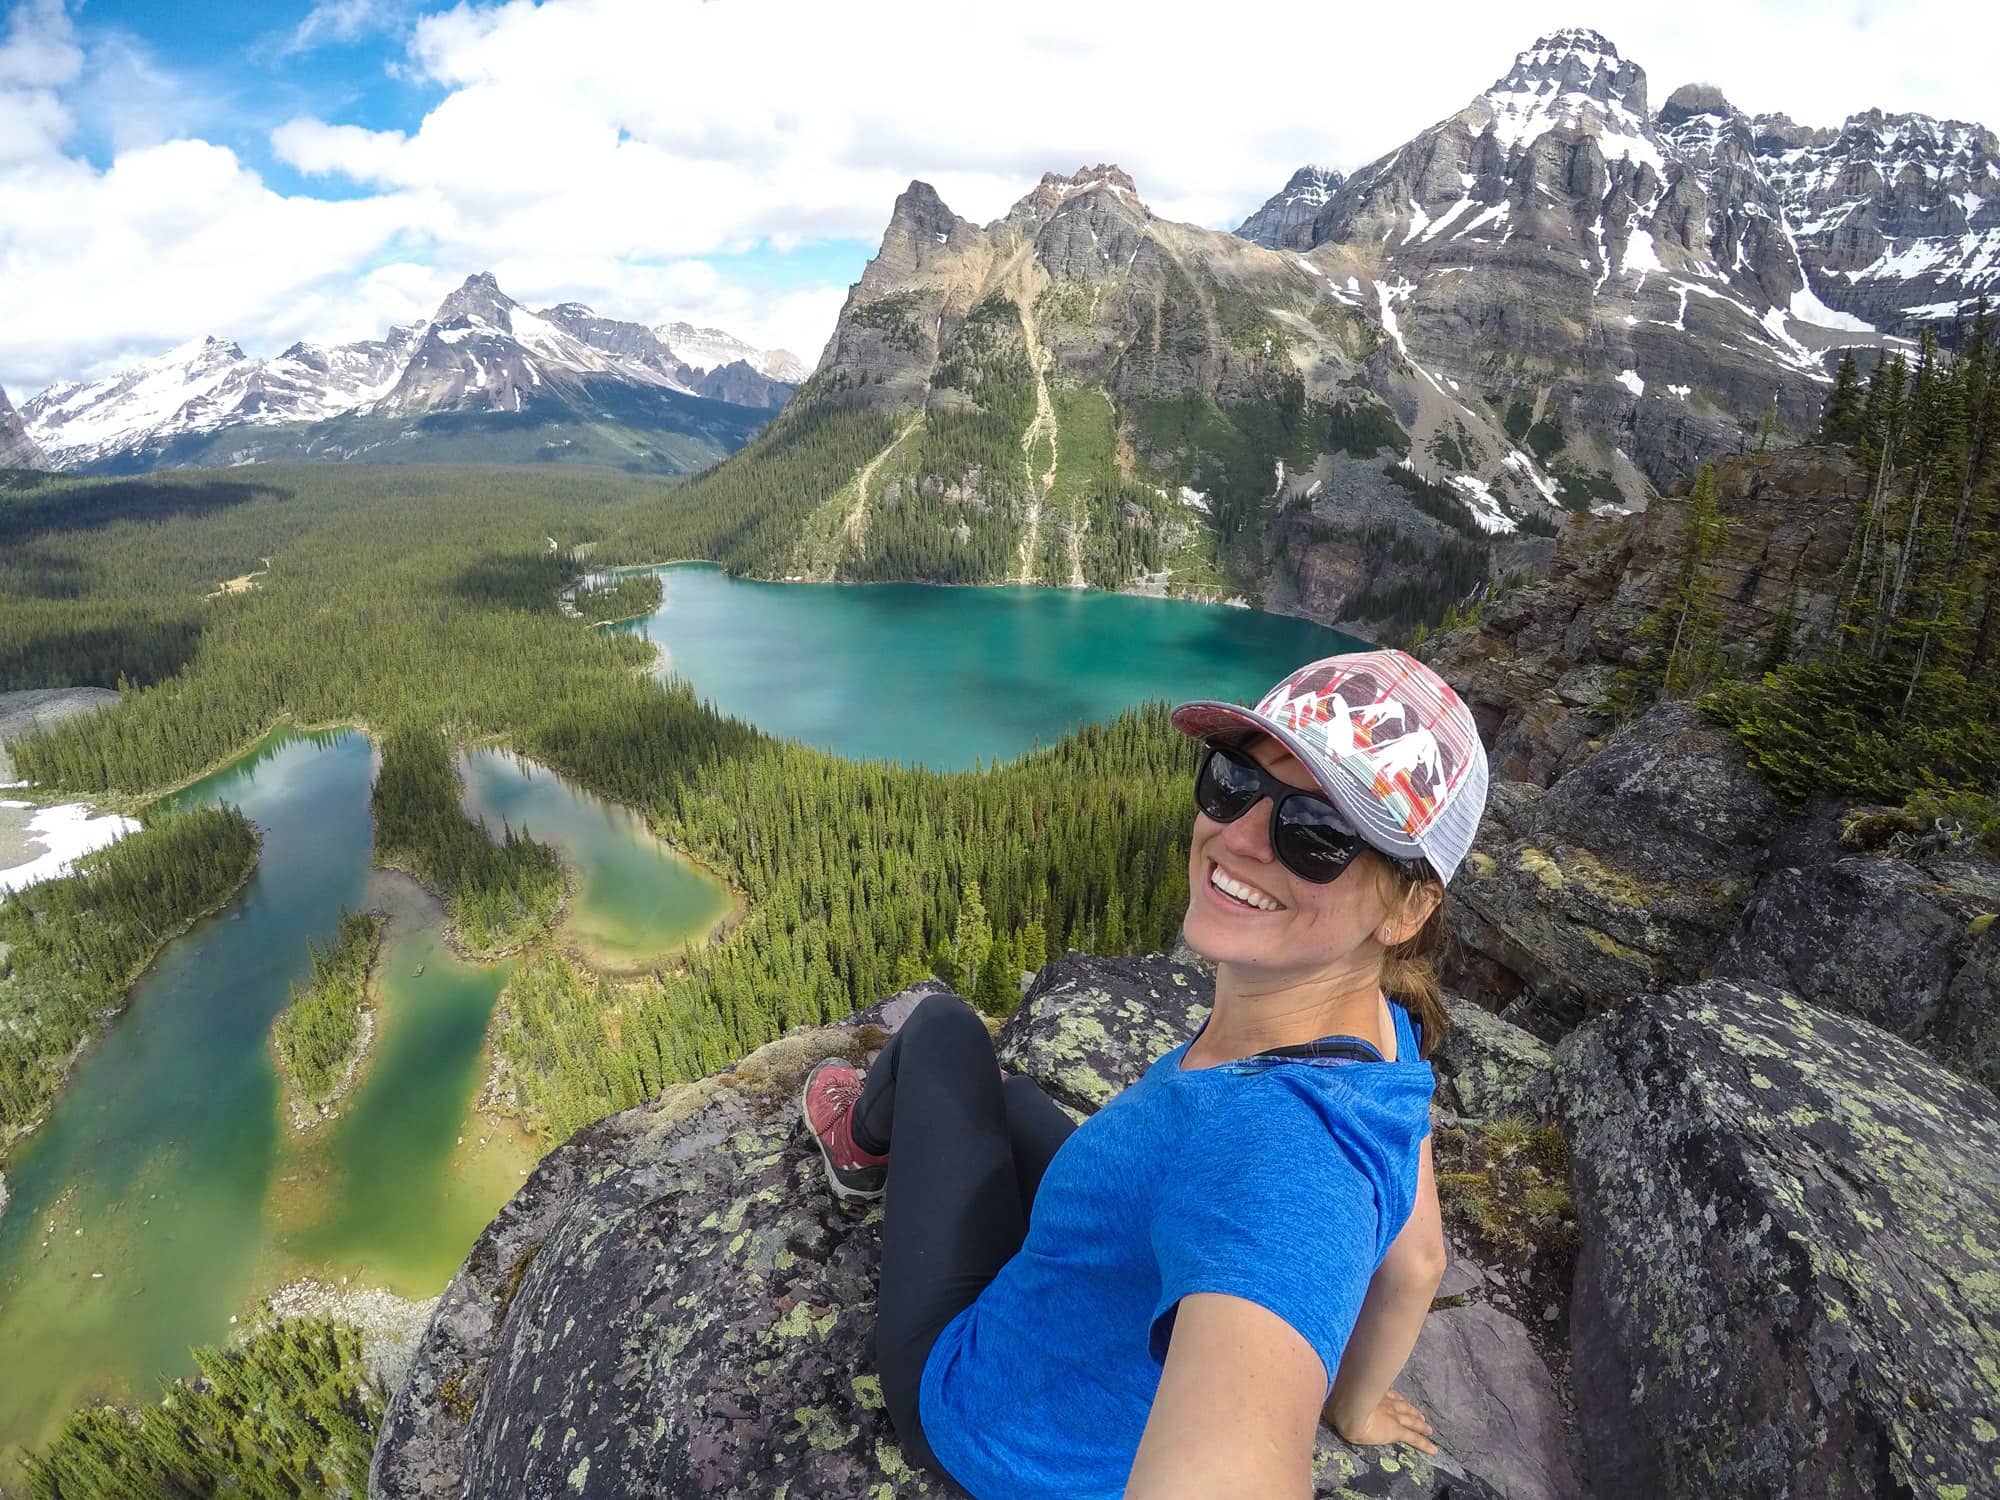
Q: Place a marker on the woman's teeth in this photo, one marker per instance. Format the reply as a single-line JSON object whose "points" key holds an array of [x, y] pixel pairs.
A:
{"points": [[1249, 895]]}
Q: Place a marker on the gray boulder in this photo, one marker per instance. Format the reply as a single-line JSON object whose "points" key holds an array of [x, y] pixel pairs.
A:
{"points": [[1790, 1229], [673, 1304], [1906, 947], [1628, 874], [1487, 1066]]}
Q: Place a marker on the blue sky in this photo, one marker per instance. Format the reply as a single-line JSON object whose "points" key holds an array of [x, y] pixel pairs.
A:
{"points": [[324, 168], [233, 72]]}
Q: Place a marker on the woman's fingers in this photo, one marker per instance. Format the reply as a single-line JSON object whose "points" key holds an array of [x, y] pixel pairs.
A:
{"points": [[1416, 1428]]}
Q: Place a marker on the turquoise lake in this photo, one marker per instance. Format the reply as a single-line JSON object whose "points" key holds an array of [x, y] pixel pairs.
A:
{"points": [[944, 677]]}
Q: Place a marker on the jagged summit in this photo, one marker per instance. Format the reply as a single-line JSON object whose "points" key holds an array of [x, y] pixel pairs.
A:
{"points": [[478, 298], [1046, 198], [1573, 77], [1292, 205]]}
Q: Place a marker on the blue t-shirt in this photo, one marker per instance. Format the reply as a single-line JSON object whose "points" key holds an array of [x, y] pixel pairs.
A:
{"points": [[1279, 1181]]}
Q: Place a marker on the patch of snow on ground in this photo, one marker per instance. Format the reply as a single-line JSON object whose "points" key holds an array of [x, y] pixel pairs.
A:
{"points": [[68, 833], [1523, 465], [1934, 310], [1483, 503], [1632, 381], [1444, 220], [1194, 499], [1682, 391], [1497, 212]]}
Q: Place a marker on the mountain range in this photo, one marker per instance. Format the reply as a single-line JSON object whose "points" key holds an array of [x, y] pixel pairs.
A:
{"points": [[523, 384], [1387, 389], [1384, 392]]}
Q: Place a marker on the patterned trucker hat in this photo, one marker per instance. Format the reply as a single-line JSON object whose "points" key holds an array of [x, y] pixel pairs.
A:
{"points": [[1385, 737]]}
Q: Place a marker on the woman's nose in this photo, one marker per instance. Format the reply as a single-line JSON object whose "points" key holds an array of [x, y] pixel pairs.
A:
{"points": [[1250, 835]]}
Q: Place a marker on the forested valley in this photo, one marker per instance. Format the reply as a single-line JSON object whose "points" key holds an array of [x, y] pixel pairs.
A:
{"points": [[498, 894]]}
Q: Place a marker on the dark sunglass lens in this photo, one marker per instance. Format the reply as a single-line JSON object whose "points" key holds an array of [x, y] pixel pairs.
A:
{"points": [[1227, 788], [1313, 839]]}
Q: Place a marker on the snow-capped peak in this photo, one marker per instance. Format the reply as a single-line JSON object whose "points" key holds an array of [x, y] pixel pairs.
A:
{"points": [[1571, 78], [482, 349], [705, 349]]}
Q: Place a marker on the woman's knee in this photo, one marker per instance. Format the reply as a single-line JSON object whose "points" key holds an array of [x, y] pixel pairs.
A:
{"points": [[943, 1020]]}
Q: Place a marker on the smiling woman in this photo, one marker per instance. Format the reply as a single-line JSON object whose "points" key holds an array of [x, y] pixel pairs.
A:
{"points": [[1250, 1234]]}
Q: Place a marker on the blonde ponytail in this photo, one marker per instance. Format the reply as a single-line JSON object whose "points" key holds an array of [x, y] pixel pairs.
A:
{"points": [[1410, 968]]}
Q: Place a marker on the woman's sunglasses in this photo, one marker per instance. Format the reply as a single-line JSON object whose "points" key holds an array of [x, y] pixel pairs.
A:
{"points": [[1310, 836]]}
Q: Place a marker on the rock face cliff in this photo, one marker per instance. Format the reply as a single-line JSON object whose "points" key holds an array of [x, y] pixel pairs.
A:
{"points": [[17, 449]]}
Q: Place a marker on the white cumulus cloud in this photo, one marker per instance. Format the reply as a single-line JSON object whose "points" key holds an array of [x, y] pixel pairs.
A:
{"points": [[620, 152]]}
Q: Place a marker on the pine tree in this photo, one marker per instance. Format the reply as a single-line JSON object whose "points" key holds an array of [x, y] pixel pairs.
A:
{"points": [[1694, 646], [1841, 421], [972, 937], [1034, 946]]}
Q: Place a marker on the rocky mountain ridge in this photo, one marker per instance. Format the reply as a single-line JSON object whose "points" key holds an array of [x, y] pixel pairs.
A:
{"points": [[1649, 282], [1386, 390], [1886, 223], [480, 353], [1082, 392], [17, 449]]}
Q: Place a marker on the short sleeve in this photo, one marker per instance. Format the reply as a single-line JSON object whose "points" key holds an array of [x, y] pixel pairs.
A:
{"points": [[1272, 1210]]}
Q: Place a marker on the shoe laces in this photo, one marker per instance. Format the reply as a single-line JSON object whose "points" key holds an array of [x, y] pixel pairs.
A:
{"points": [[841, 1089]]}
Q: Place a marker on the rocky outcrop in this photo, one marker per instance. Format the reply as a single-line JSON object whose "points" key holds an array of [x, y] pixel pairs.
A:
{"points": [[1487, 1066], [1786, 1284], [1628, 874], [1911, 947], [1538, 667], [17, 449], [673, 1305]]}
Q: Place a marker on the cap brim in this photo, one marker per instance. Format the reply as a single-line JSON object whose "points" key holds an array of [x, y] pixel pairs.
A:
{"points": [[1206, 718]]}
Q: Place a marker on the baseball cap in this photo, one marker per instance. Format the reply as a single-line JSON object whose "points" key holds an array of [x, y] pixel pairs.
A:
{"points": [[1385, 738]]}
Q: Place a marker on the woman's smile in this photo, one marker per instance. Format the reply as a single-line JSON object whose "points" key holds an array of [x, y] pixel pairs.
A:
{"points": [[1233, 892]]}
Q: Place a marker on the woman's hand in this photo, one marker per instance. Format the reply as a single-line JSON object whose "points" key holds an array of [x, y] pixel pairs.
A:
{"points": [[1394, 1420]]}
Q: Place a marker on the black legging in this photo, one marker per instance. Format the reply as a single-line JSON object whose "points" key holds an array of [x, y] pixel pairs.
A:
{"points": [[966, 1155]]}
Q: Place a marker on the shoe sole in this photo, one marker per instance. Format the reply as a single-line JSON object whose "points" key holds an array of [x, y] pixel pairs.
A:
{"points": [[841, 1190]]}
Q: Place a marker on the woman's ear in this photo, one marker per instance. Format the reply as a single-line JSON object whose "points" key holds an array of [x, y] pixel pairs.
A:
{"points": [[1407, 919]]}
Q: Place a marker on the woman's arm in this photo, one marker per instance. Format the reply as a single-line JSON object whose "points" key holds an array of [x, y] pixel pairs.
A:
{"points": [[1234, 1415], [1362, 1408]]}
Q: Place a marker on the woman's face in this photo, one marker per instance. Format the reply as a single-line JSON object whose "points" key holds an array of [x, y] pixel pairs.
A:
{"points": [[1289, 925]]}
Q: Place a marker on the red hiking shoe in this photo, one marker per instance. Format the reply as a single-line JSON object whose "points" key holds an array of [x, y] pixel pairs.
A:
{"points": [[831, 1091]]}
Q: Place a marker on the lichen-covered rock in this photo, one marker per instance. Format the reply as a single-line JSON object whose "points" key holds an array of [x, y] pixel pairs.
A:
{"points": [[1088, 1027], [1895, 943], [1487, 1066], [1626, 875], [673, 1305], [1789, 1282]]}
